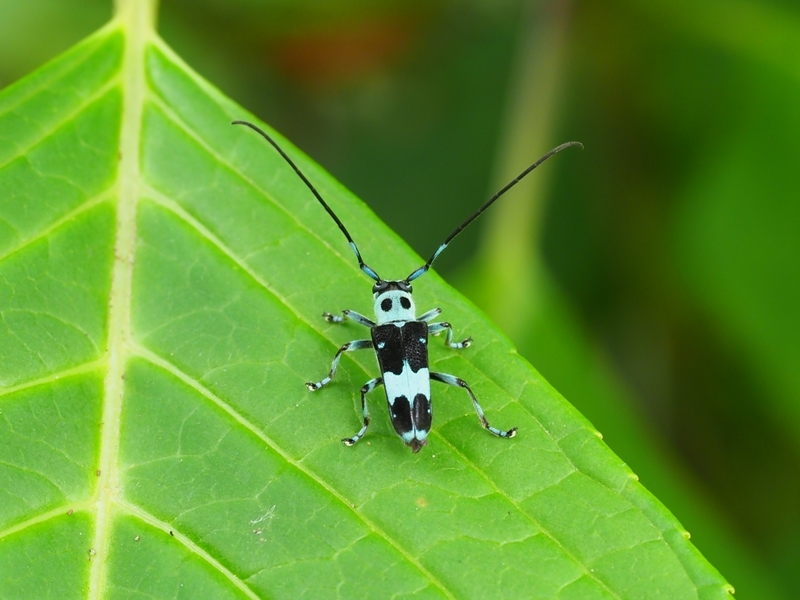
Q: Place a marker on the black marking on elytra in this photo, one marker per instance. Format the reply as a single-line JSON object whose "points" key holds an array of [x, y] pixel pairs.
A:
{"points": [[401, 415], [390, 358], [397, 345], [421, 412], [415, 334]]}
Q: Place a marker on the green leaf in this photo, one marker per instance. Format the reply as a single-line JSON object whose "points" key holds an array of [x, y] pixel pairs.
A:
{"points": [[162, 276]]}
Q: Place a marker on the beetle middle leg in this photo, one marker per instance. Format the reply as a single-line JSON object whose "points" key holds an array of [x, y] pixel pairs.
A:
{"points": [[431, 314], [366, 389], [348, 347], [437, 328], [455, 381]]}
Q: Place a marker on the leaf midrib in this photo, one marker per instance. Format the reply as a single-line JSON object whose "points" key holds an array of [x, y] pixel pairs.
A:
{"points": [[135, 17]]}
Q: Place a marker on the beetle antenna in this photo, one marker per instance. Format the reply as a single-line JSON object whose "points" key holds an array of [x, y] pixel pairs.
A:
{"points": [[424, 268], [361, 264]]}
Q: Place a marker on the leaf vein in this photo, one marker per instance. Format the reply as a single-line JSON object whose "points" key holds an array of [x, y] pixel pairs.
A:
{"points": [[152, 520], [529, 516], [157, 361], [53, 128], [54, 225]]}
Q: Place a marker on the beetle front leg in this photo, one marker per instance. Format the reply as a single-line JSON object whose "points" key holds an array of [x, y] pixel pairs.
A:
{"points": [[437, 328], [348, 314], [348, 347], [455, 381], [366, 389]]}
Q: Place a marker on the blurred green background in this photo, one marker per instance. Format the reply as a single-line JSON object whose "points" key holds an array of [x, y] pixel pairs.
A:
{"points": [[653, 278]]}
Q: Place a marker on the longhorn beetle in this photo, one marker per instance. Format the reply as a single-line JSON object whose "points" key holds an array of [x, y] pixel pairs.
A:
{"points": [[399, 338]]}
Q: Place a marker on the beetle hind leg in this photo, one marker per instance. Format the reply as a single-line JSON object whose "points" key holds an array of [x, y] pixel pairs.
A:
{"points": [[457, 382], [366, 389]]}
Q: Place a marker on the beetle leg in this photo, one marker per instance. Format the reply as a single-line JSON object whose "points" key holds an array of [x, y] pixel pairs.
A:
{"points": [[437, 328], [348, 314], [366, 389], [348, 347], [455, 381], [430, 314]]}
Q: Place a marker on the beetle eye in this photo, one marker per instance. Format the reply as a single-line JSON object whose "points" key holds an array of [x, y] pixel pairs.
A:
{"points": [[405, 302], [386, 305]]}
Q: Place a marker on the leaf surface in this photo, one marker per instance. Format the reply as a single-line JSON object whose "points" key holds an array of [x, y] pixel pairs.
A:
{"points": [[162, 276]]}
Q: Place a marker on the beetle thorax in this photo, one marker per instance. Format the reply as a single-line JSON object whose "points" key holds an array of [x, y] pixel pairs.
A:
{"points": [[394, 305]]}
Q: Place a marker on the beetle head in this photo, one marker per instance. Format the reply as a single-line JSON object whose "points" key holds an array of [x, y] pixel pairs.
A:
{"points": [[393, 302]]}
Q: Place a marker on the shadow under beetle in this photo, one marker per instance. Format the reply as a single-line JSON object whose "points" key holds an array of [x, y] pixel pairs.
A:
{"points": [[398, 337]]}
